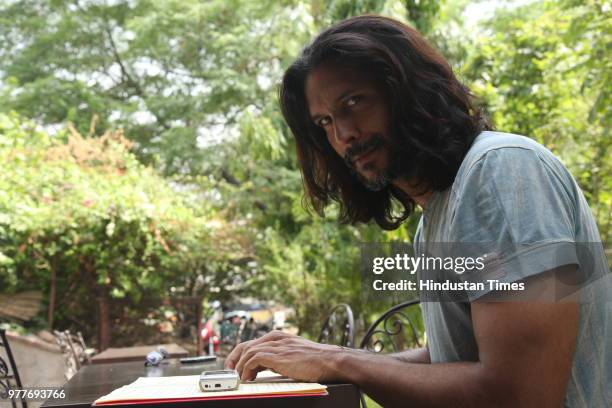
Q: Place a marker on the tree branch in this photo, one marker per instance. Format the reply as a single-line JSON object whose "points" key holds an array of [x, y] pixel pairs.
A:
{"points": [[124, 72]]}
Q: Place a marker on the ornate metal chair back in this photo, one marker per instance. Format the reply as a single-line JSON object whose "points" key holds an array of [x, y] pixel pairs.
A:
{"points": [[339, 327], [396, 330], [74, 351], [9, 376], [85, 356]]}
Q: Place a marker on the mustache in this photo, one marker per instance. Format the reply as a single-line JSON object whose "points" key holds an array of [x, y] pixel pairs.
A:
{"points": [[360, 148]]}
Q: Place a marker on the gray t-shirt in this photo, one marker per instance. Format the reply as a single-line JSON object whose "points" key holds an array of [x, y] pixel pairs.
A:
{"points": [[515, 196]]}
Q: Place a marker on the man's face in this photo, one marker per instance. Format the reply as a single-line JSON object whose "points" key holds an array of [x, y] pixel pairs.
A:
{"points": [[352, 110]]}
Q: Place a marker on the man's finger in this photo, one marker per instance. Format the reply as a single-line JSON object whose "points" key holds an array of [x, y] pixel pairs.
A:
{"points": [[269, 346], [258, 362], [234, 356]]}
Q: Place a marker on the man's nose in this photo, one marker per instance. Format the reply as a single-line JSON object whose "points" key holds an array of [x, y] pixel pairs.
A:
{"points": [[345, 130]]}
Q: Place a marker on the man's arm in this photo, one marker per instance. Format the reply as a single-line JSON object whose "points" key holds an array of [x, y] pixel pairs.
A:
{"points": [[525, 356], [525, 353], [417, 356]]}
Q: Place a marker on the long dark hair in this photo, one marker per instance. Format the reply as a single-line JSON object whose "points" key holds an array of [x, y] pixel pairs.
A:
{"points": [[432, 116]]}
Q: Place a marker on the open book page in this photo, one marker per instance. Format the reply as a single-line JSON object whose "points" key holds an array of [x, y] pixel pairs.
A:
{"points": [[187, 387], [270, 376]]}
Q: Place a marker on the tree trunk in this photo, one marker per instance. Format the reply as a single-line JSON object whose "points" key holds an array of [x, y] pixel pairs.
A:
{"points": [[104, 323], [52, 294], [102, 303], [199, 344]]}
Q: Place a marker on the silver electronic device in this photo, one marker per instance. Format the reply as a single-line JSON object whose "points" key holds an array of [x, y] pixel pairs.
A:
{"points": [[219, 380]]}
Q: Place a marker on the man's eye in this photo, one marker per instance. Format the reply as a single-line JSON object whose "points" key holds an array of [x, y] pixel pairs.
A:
{"points": [[324, 122], [352, 101]]}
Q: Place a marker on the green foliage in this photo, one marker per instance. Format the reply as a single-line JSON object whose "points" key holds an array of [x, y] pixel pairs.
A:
{"points": [[167, 72], [326, 12], [82, 214], [544, 76], [193, 84], [422, 13]]}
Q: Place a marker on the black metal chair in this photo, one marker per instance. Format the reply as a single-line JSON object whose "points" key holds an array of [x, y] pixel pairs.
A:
{"points": [[8, 372], [391, 331], [339, 327], [74, 351]]}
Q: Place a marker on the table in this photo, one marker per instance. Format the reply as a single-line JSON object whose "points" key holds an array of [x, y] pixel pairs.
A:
{"points": [[94, 381], [138, 353]]}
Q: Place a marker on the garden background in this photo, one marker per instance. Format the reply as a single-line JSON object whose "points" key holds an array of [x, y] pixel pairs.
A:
{"points": [[144, 158]]}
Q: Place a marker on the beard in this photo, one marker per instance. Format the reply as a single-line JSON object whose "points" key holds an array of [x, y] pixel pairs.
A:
{"points": [[383, 177]]}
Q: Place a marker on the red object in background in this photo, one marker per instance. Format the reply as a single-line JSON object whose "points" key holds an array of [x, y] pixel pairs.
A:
{"points": [[208, 333]]}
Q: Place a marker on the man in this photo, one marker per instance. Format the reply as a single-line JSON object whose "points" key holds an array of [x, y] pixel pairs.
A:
{"points": [[380, 120]]}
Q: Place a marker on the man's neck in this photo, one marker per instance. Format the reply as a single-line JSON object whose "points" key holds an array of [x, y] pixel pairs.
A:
{"points": [[414, 191]]}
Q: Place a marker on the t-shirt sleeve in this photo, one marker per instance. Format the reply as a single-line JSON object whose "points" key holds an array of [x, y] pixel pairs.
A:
{"points": [[517, 211]]}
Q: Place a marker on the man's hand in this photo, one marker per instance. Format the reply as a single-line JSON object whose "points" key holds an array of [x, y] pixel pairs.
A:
{"points": [[286, 354]]}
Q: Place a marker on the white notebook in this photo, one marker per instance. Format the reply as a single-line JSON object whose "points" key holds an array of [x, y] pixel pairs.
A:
{"points": [[267, 383]]}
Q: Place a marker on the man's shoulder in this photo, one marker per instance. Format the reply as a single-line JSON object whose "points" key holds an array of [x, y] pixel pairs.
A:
{"points": [[504, 146], [488, 141]]}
